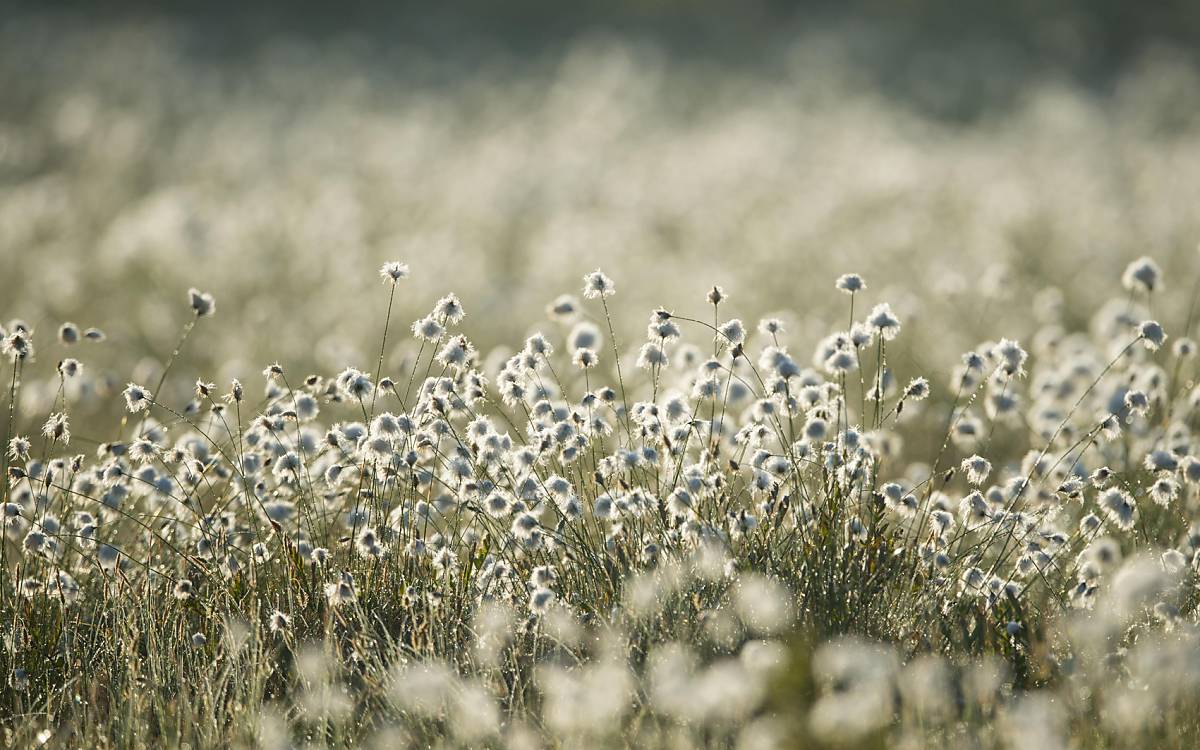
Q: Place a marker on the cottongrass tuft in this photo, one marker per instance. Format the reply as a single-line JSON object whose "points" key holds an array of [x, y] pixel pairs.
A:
{"points": [[1142, 274], [202, 303], [137, 398], [596, 285], [851, 283], [1152, 334], [393, 271]]}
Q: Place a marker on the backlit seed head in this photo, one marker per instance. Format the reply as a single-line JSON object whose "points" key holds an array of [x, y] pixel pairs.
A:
{"points": [[564, 308], [1010, 357], [17, 346], [1152, 334], [137, 398], [428, 329], [851, 283], [393, 271], [449, 310], [585, 359], [183, 590], [202, 303], [884, 321], [1119, 507], [976, 468], [57, 428], [68, 334], [918, 389], [1142, 274], [733, 332], [18, 448], [596, 285]]}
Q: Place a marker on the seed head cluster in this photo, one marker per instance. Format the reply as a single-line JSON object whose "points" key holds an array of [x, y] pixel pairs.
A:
{"points": [[706, 537]]}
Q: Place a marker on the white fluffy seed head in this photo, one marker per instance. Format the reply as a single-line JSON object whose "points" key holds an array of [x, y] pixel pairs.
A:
{"points": [[1142, 274], [202, 303], [598, 286], [733, 332], [884, 321], [1152, 334], [851, 283], [137, 398], [393, 271], [68, 334]]}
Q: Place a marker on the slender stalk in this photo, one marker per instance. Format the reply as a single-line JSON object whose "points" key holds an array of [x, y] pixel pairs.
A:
{"points": [[382, 347]]}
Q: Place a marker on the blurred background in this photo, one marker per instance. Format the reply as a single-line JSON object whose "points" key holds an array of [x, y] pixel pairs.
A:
{"points": [[988, 167]]}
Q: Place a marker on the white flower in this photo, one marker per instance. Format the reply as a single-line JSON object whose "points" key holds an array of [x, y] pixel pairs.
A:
{"points": [[851, 283], [202, 303], [354, 384], [563, 308], [1142, 274], [449, 310], [918, 389], [1137, 402], [1011, 357], [1152, 334], [597, 285], [771, 327], [733, 331], [585, 359], [457, 353], [57, 428], [1164, 490], [884, 321], [137, 398], [1119, 507], [279, 622], [17, 346], [652, 355], [68, 333], [977, 469], [428, 329], [393, 271], [18, 448]]}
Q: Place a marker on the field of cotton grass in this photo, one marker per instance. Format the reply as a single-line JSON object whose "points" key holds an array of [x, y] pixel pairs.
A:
{"points": [[709, 538], [603, 402]]}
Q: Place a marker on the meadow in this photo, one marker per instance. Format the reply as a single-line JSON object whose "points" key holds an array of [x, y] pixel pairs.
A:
{"points": [[611, 402]]}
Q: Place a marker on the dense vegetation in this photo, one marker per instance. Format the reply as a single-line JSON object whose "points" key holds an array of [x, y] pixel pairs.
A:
{"points": [[707, 541]]}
